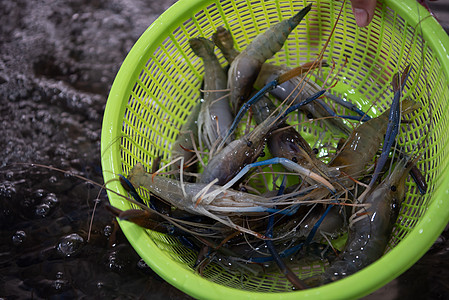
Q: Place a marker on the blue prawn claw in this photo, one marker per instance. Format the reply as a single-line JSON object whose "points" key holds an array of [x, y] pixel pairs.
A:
{"points": [[394, 121], [363, 117], [287, 164]]}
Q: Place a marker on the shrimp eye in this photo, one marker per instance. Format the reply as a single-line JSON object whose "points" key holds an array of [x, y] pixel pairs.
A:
{"points": [[294, 159], [315, 150], [310, 116], [393, 188], [249, 143], [262, 154]]}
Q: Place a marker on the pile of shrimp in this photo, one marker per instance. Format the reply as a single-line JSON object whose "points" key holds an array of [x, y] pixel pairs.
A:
{"points": [[209, 198]]}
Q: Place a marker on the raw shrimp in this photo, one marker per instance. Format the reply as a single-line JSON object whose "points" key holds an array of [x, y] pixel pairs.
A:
{"points": [[364, 142], [285, 141], [224, 41], [239, 153], [298, 88], [215, 117], [246, 66], [368, 236], [172, 191], [201, 199]]}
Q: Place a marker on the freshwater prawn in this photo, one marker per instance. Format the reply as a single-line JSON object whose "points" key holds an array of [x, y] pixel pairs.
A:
{"points": [[246, 65], [201, 199], [285, 141], [363, 144], [215, 117], [299, 88], [244, 151], [369, 235]]}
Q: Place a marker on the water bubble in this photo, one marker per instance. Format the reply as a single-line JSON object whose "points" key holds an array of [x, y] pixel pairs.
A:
{"points": [[19, 237], [100, 284], [51, 200], [53, 179], [114, 262], [7, 189], [70, 244], [59, 275], [58, 284], [107, 230], [142, 265], [39, 193], [42, 210]]}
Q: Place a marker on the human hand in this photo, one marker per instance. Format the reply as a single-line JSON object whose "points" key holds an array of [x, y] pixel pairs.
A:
{"points": [[363, 11]]}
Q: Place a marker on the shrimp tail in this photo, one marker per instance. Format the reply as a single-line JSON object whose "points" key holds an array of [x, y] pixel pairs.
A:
{"points": [[143, 218], [202, 47], [264, 46], [215, 116], [224, 41], [246, 66]]}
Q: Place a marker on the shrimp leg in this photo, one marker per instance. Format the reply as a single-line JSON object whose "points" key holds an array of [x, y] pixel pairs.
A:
{"points": [[185, 142]]}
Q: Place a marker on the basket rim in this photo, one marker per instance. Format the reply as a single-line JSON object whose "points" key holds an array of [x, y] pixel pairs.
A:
{"points": [[404, 254]]}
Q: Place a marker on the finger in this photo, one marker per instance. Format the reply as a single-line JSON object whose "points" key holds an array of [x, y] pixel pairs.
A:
{"points": [[363, 11]]}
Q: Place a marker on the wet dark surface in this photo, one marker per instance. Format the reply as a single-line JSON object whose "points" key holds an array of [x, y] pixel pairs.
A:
{"points": [[57, 62]]}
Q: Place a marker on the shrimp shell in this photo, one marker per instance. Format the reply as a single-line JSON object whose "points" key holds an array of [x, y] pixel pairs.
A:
{"points": [[215, 117], [364, 142], [246, 66], [369, 236]]}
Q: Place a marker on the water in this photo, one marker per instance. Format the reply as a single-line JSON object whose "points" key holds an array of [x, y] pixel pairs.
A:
{"points": [[57, 62]]}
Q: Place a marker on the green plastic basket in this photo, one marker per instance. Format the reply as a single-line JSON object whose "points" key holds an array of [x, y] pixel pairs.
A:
{"points": [[158, 84]]}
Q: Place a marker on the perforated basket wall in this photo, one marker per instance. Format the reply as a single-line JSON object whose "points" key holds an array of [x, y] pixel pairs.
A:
{"points": [[158, 84]]}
